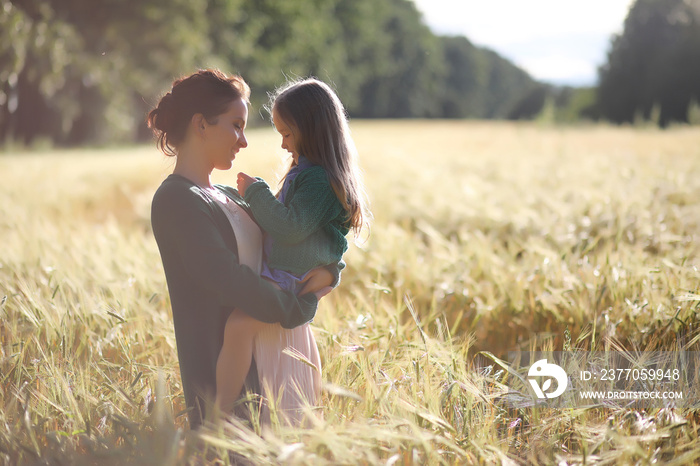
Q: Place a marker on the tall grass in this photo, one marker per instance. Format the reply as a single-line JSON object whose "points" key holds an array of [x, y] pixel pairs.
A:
{"points": [[487, 238]]}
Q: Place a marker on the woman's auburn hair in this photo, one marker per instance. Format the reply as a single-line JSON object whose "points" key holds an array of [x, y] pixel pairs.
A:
{"points": [[318, 120], [208, 91]]}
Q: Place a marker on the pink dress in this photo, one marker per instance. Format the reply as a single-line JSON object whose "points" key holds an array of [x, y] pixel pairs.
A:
{"points": [[288, 383]]}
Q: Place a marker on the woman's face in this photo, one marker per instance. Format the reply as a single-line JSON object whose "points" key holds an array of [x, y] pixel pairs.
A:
{"points": [[226, 137], [288, 138]]}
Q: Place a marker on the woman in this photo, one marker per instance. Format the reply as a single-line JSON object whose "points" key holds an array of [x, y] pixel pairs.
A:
{"points": [[197, 225]]}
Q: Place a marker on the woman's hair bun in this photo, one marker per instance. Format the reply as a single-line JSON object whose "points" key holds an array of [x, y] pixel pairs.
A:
{"points": [[209, 92], [162, 112]]}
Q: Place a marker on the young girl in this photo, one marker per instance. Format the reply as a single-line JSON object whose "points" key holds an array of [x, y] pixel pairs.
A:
{"points": [[305, 225]]}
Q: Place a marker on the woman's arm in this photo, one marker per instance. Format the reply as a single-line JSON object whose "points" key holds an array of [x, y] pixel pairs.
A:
{"points": [[183, 225], [314, 203]]}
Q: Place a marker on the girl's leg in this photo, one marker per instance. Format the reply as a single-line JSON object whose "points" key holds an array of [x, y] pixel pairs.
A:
{"points": [[235, 357]]}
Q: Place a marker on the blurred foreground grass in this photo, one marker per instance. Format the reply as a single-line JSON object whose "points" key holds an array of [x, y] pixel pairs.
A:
{"points": [[487, 237]]}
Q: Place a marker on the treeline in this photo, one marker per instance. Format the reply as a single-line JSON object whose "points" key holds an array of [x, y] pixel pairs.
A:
{"points": [[86, 71], [652, 72]]}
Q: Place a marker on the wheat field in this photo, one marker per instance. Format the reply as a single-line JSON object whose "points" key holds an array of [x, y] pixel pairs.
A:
{"points": [[487, 237]]}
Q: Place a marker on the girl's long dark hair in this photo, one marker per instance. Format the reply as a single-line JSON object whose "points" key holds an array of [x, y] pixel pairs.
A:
{"points": [[318, 120]]}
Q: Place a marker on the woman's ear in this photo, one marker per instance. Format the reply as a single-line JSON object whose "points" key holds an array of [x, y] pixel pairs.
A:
{"points": [[198, 124]]}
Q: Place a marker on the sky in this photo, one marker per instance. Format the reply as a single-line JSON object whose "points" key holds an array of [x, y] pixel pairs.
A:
{"points": [[557, 41]]}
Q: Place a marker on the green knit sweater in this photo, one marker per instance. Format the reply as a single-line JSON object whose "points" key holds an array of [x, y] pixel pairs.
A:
{"points": [[308, 230]]}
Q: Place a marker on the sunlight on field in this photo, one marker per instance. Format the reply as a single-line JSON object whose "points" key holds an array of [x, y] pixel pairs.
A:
{"points": [[486, 237]]}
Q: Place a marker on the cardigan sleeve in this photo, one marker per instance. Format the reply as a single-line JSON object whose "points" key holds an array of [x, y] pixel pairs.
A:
{"points": [[312, 205], [182, 219]]}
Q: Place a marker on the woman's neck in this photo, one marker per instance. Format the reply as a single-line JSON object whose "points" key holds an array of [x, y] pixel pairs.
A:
{"points": [[191, 166]]}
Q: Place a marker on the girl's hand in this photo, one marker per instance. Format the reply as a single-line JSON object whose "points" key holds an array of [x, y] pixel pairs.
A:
{"points": [[244, 181]]}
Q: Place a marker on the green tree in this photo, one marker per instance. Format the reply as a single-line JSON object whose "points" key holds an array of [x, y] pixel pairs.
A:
{"points": [[34, 52], [506, 85], [82, 70], [655, 62], [465, 79], [479, 83], [378, 54], [409, 83], [87, 71], [269, 41]]}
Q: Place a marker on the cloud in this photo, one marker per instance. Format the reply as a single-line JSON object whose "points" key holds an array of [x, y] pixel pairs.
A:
{"points": [[527, 31], [560, 70], [562, 59]]}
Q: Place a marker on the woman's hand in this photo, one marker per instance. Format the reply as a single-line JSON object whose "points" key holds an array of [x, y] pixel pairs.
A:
{"points": [[244, 181], [318, 281], [323, 292]]}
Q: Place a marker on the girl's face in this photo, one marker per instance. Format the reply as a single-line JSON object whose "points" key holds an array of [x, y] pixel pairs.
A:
{"points": [[226, 137], [287, 133]]}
